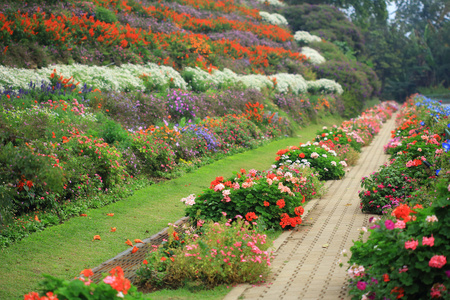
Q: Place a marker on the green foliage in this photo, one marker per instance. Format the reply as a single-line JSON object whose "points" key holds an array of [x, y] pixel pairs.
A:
{"points": [[325, 21], [386, 188], [105, 15]]}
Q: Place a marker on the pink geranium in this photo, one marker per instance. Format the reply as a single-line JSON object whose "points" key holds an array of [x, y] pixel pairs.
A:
{"points": [[411, 244], [428, 241], [437, 261]]}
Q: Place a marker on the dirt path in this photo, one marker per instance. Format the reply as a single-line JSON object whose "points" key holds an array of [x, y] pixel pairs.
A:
{"points": [[306, 260]]}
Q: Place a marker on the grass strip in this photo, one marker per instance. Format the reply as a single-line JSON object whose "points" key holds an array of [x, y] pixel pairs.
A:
{"points": [[67, 249]]}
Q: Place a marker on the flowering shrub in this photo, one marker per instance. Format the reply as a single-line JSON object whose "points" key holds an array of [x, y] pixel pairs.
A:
{"points": [[273, 197], [113, 286], [338, 136], [406, 254], [217, 253], [304, 37], [275, 19], [386, 188], [322, 159], [314, 57]]}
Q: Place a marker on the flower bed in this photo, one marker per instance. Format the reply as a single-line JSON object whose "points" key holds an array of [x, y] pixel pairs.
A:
{"points": [[405, 255]]}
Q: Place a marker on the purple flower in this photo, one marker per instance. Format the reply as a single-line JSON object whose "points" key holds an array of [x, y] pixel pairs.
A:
{"points": [[375, 226], [361, 285], [447, 273], [389, 224]]}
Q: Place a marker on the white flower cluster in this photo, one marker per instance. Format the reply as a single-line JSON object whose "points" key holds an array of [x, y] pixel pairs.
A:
{"points": [[272, 2], [314, 57], [112, 78], [294, 82], [129, 76], [326, 86], [306, 37], [275, 19]]}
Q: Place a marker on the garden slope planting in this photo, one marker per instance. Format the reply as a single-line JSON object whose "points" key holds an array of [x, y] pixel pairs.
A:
{"points": [[64, 250]]}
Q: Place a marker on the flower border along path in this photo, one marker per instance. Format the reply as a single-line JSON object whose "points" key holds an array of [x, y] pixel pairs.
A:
{"points": [[306, 264]]}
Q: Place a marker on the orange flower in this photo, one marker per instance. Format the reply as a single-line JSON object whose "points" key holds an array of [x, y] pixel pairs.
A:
{"points": [[36, 218], [281, 203], [145, 262], [87, 273], [138, 241], [83, 215], [163, 258], [129, 243], [110, 215], [135, 249], [113, 229], [97, 237]]}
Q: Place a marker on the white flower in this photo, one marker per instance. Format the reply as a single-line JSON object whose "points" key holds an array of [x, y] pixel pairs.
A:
{"points": [[432, 218], [275, 19], [324, 155], [306, 37], [333, 163], [314, 155], [314, 57], [343, 163]]}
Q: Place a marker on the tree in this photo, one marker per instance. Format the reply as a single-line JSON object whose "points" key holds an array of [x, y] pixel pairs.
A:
{"points": [[360, 11]]}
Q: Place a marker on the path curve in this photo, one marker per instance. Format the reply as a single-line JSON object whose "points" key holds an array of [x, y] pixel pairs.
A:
{"points": [[306, 263]]}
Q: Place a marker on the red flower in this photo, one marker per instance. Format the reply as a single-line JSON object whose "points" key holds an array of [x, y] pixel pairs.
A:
{"points": [[251, 216], [281, 203], [386, 278], [302, 155], [299, 210], [398, 290], [266, 203]]}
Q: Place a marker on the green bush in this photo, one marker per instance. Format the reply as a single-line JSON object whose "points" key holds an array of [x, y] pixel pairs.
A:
{"points": [[105, 15], [324, 162], [338, 136], [386, 188], [275, 198]]}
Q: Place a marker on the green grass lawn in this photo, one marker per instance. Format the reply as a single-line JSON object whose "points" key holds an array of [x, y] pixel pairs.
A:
{"points": [[67, 249]]}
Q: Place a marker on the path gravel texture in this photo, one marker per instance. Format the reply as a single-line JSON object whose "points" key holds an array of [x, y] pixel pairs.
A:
{"points": [[306, 263]]}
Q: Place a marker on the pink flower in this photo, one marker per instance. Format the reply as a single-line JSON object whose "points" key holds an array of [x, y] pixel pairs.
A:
{"points": [[219, 187], [389, 224], [437, 261], [428, 241], [432, 219], [400, 224], [411, 244], [361, 285]]}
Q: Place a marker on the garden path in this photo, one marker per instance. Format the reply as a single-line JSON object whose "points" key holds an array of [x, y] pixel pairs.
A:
{"points": [[306, 263]]}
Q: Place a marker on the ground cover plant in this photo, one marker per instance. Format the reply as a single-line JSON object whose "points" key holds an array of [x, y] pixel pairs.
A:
{"points": [[405, 255]]}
